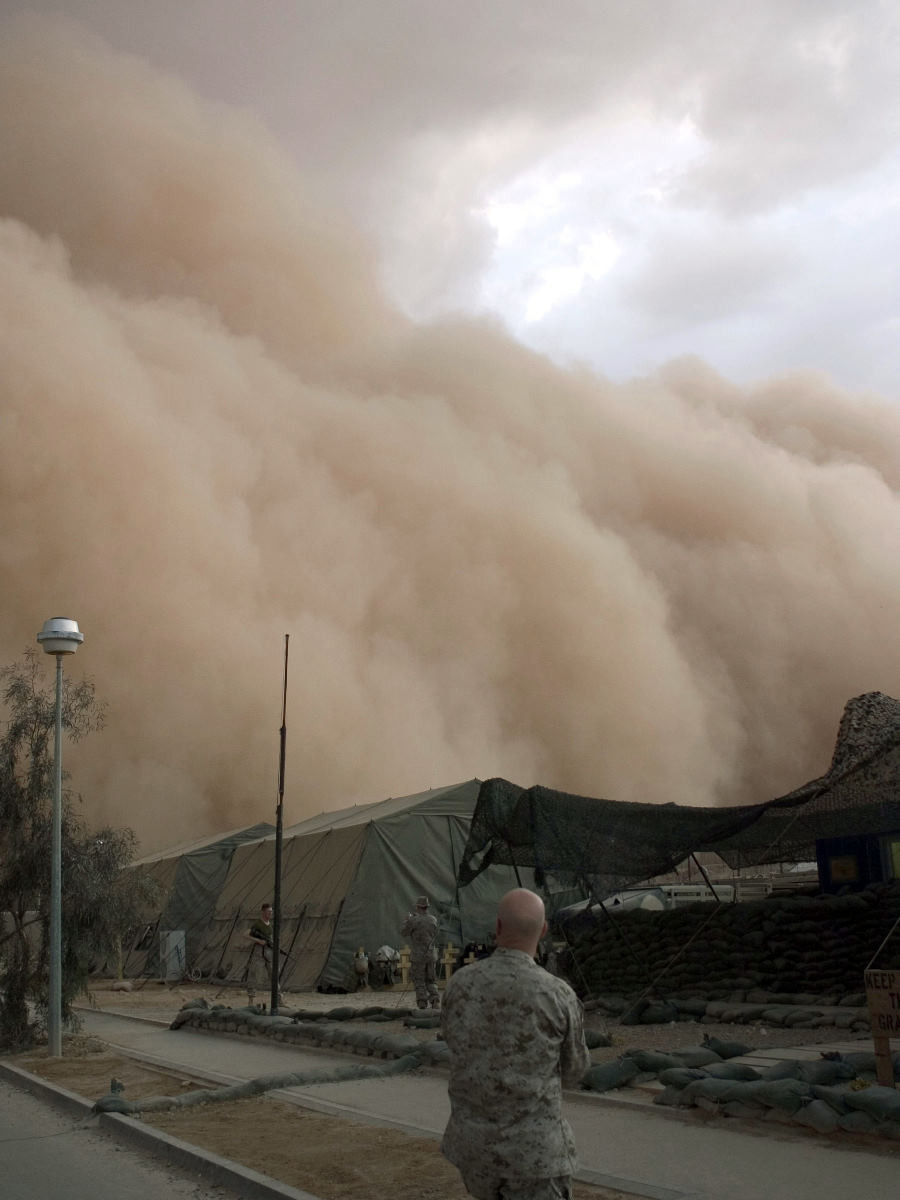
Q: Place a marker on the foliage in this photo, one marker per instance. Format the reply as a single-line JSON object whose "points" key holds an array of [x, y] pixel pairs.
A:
{"points": [[97, 905]]}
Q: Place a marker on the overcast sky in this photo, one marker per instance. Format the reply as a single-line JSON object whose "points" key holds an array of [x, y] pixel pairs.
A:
{"points": [[621, 181]]}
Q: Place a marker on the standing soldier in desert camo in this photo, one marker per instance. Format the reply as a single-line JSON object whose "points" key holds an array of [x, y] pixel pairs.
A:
{"points": [[516, 1038], [421, 929], [259, 964]]}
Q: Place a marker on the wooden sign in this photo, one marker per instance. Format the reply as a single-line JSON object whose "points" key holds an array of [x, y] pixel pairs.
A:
{"points": [[883, 998]]}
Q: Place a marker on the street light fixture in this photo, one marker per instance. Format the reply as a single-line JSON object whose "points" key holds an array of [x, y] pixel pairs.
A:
{"points": [[59, 636]]}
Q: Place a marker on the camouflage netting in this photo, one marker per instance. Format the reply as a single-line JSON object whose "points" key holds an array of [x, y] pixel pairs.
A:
{"points": [[607, 845]]}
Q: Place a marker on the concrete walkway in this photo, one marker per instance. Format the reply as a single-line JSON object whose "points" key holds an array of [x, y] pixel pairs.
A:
{"points": [[634, 1146]]}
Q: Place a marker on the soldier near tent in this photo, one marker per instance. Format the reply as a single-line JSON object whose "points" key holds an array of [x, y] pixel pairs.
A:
{"points": [[259, 963], [421, 929]]}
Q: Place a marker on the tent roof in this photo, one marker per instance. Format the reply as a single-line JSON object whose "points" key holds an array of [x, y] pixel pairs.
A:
{"points": [[234, 836], [457, 799]]}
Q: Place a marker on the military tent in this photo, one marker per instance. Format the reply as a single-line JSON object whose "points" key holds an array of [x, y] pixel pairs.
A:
{"points": [[187, 878], [348, 879]]}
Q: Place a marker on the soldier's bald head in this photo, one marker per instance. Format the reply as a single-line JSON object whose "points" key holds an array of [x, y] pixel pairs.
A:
{"points": [[520, 920]]}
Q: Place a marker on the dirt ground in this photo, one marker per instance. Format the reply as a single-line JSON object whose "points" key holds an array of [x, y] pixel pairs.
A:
{"points": [[334, 1158]]}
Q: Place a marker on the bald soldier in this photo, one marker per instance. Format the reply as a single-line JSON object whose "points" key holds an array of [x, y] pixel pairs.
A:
{"points": [[516, 1036]]}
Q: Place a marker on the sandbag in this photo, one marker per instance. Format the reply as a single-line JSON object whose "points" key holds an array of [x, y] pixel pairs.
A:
{"points": [[817, 1115], [429, 1020], [606, 1076], [696, 1056], [737, 1108], [652, 1060], [726, 1049], [860, 1060], [826, 1071], [434, 1052], [718, 1090], [594, 1039], [658, 1013], [880, 1103], [396, 1044], [680, 1077], [788, 1068], [856, 1122], [836, 1097], [778, 1116], [731, 1070], [787, 1095], [694, 1006]]}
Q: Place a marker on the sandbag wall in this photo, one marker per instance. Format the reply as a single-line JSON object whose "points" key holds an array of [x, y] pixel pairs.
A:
{"points": [[819, 945]]}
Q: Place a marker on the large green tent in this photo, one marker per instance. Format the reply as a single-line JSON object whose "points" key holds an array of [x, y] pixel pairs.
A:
{"points": [[348, 880], [187, 877]]}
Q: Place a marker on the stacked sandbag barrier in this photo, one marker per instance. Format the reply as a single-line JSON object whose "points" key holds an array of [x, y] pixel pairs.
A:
{"points": [[331, 1030], [815, 946], [327, 1031], [790, 1010], [116, 1102], [836, 1092]]}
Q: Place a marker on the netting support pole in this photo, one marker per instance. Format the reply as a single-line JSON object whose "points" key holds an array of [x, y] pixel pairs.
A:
{"points": [[706, 879], [515, 866]]}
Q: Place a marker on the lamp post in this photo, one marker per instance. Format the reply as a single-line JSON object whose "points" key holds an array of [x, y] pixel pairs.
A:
{"points": [[59, 636]]}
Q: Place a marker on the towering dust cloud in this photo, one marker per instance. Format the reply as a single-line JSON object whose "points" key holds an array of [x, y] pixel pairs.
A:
{"points": [[216, 431]]}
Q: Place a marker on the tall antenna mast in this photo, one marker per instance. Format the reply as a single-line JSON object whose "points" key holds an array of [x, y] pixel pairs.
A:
{"points": [[279, 826]]}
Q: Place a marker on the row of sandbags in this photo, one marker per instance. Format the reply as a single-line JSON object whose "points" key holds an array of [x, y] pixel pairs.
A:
{"points": [[790, 1011], [330, 1030], [334, 1034], [834, 1092], [116, 1102], [809, 944]]}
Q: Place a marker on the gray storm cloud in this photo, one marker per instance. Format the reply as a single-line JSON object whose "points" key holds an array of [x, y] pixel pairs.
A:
{"points": [[216, 431]]}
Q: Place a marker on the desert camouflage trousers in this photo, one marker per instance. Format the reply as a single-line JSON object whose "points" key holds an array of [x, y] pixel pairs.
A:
{"points": [[259, 970], [486, 1187], [422, 973]]}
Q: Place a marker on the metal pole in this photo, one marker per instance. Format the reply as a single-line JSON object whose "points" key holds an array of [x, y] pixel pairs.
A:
{"points": [[54, 1016], [276, 900], [706, 877]]}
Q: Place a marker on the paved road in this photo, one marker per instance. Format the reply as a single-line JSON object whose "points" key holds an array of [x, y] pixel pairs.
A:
{"points": [[645, 1150], [45, 1155]]}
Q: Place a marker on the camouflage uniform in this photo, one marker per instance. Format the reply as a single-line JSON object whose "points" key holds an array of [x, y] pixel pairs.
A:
{"points": [[421, 929], [516, 1036], [259, 963]]}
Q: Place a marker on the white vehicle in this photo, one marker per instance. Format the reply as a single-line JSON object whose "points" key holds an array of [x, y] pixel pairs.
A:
{"points": [[670, 895], [660, 898]]}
